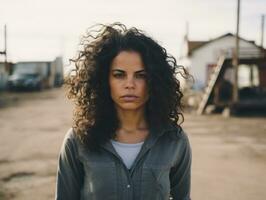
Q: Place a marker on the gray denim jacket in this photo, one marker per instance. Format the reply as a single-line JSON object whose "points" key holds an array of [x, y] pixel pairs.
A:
{"points": [[161, 171]]}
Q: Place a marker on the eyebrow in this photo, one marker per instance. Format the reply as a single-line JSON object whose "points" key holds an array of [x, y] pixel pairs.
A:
{"points": [[120, 70]]}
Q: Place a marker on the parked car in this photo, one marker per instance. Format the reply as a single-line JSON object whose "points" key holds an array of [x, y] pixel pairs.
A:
{"points": [[24, 81]]}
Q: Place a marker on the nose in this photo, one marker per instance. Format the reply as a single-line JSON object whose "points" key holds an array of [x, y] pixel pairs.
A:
{"points": [[130, 83]]}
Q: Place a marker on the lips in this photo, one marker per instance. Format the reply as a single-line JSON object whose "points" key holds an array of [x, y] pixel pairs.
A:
{"points": [[129, 98]]}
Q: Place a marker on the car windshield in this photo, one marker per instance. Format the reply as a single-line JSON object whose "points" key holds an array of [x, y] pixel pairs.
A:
{"points": [[30, 75], [25, 76]]}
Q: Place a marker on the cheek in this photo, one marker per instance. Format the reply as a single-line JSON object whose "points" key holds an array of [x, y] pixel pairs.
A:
{"points": [[144, 91], [114, 88], [111, 88]]}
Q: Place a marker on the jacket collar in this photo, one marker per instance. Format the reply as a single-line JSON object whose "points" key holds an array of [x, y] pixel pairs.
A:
{"points": [[153, 136]]}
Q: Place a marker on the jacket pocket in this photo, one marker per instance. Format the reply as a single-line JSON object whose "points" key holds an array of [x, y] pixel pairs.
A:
{"points": [[156, 182], [100, 181]]}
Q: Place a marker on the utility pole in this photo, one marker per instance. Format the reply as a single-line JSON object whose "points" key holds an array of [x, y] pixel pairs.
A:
{"points": [[5, 47], [187, 30], [236, 56], [262, 31]]}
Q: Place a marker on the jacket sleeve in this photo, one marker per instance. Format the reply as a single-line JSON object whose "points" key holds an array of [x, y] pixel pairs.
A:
{"points": [[70, 174], [180, 175]]}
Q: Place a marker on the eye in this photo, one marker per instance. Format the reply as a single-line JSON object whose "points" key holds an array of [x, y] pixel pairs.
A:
{"points": [[141, 75], [118, 75]]}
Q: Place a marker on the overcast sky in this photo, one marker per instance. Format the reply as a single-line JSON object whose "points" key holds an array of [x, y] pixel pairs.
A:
{"points": [[44, 29]]}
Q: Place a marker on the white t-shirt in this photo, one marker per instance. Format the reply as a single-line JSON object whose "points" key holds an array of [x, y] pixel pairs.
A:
{"points": [[128, 152]]}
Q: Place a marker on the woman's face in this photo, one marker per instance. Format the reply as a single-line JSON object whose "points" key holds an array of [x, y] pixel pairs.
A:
{"points": [[127, 80]]}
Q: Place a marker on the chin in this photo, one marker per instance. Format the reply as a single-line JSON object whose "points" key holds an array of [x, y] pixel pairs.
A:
{"points": [[130, 107]]}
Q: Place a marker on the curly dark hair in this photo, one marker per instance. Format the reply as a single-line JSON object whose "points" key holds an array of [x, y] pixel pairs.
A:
{"points": [[95, 118]]}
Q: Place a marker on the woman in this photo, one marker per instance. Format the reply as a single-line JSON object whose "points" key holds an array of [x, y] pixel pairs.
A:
{"points": [[126, 142]]}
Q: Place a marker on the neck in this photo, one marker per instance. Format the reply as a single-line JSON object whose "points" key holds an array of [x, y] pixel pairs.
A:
{"points": [[132, 120], [133, 126]]}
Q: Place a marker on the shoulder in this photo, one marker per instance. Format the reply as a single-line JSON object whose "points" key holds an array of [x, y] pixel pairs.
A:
{"points": [[176, 132], [180, 144], [69, 136], [70, 140]]}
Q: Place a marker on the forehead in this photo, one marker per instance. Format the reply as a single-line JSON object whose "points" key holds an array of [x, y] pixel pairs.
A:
{"points": [[128, 61]]}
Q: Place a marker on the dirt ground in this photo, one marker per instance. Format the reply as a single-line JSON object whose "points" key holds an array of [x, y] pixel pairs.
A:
{"points": [[229, 154]]}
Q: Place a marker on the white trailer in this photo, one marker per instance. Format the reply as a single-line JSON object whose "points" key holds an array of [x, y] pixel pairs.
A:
{"points": [[51, 72]]}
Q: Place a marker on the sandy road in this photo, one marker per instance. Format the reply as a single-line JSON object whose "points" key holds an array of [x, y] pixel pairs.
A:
{"points": [[229, 155], [31, 133]]}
